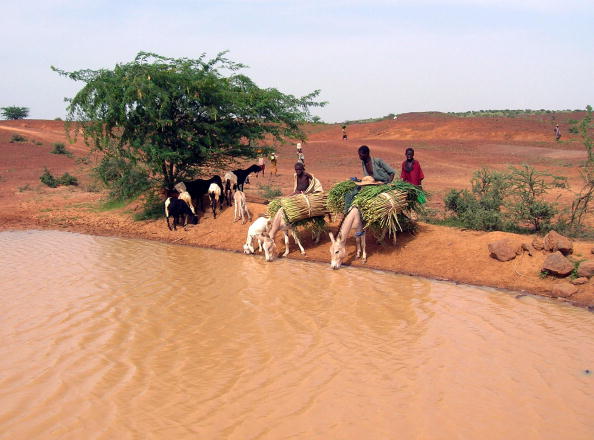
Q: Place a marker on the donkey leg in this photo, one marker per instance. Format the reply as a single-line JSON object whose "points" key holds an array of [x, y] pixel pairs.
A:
{"points": [[286, 243], [358, 243], [364, 256], [296, 238]]}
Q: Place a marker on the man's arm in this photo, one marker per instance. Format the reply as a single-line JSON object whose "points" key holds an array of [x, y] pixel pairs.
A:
{"points": [[387, 168]]}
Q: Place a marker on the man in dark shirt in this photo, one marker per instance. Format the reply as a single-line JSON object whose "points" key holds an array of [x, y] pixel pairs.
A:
{"points": [[374, 166], [411, 169]]}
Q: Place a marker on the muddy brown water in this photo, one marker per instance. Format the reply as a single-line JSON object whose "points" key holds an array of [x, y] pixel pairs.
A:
{"points": [[106, 338]]}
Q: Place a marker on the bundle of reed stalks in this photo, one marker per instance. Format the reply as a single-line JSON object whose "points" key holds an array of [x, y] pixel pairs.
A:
{"points": [[302, 206], [381, 211], [315, 223], [336, 202]]}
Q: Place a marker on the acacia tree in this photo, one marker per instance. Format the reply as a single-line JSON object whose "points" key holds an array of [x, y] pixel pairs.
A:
{"points": [[175, 115], [14, 112]]}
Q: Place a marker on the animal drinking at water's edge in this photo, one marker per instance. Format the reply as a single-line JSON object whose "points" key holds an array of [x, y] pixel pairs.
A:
{"points": [[338, 245], [280, 224], [215, 194], [255, 231]]}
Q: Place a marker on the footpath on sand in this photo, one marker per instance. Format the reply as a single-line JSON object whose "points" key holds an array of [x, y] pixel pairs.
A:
{"points": [[434, 251]]}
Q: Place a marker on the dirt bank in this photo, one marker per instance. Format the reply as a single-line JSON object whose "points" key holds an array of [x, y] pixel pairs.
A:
{"points": [[436, 252]]}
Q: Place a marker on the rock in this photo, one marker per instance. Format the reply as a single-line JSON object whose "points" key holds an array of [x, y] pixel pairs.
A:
{"points": [[528, 248], [563, 290], [592, 250], [579, 281], [557, 264], [554, 241], [584, 299], [538, 244], [503, 250], [586, 269]]}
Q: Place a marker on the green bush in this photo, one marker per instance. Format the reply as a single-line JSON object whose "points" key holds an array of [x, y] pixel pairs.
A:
{"points": [[270, 192], [18, 138], [48, 179], [152, 208], [124, 178], [60, 148], [67, 180]]}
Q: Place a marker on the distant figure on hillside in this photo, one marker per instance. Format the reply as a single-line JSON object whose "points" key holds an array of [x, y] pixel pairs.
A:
{"points": [[299, 149], [273, 158], [411, 169], [557, 132], [305, 183], [301, 157], [344, 133], [374, 166], [262, 165]]}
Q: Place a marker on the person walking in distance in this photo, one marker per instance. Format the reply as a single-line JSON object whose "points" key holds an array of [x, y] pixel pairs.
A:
{"points": [[344, 133], [273, 158], [411, 169], [557, 132]]}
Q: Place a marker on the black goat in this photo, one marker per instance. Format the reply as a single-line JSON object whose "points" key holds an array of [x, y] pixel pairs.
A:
{"points": [[243, 174], [199, 188], [179, 211]]}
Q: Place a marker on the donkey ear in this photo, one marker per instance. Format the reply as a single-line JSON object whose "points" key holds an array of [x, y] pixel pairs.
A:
{"points": [[331, 237], [268, 225]]}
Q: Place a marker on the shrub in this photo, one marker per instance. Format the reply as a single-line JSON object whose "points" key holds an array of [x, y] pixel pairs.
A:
{"points": [[67, 180], [152, 208], [124, 178], [270, 192], [48, 179], [18, 138], [60, 148], [574, 130]]}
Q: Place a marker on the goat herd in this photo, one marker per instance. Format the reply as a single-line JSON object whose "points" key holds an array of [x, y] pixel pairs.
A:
{"points": [[180, 207]]}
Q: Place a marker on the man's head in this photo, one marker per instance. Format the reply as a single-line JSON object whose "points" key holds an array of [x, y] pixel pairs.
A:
{"points": [[299, 169], [410, 154], [364, 153]]}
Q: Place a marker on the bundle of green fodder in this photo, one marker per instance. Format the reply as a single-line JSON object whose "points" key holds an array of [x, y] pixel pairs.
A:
{"points": [[302, 210], [387, 208]]}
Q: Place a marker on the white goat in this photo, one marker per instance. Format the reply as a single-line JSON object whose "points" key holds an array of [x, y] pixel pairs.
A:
{"points": [[186, 197], [258, 230], [240, 209], [214, 194]]}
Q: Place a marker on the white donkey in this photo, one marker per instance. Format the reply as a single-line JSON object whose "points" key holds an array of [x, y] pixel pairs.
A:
{"points": [[338, 247], [280, 224]]}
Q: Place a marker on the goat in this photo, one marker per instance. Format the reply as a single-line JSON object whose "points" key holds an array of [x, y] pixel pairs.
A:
{"points": [[199, 188], [243, 174], [179, 210], [256, 230], [214, 194], [186, 197], [240, 210], [230, 184]]}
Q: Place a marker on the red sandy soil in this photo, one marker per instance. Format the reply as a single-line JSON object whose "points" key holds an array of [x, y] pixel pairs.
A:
{"points": [[450, 149]]}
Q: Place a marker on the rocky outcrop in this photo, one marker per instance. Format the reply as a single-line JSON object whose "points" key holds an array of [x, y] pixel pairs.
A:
{"points": [[504, 249], [554, 241], [579, 281], [538, 243], [563, 290], [557, 264], [586, 269]]}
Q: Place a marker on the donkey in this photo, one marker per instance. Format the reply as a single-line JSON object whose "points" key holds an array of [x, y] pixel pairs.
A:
{"points": [[338, 245], [280, 224]]}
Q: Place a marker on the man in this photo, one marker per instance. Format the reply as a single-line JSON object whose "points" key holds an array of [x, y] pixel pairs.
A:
{"points": [[411, 169], [305, 183], [344, 133], [301, 157], [374, 166]]}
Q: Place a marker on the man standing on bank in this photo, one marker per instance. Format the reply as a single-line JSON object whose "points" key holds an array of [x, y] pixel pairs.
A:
{"points": [[374, 166], [411, 169]]}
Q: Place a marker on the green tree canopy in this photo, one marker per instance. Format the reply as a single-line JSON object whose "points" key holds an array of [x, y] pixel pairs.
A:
{"points": [[176, 115], [14, 112]]}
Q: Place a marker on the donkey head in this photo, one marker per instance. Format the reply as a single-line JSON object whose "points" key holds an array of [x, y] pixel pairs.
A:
{"points": [[269, 246], [337, 251]]}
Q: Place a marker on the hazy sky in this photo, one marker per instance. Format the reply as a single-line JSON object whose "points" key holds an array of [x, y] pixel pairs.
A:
{"points": [[368, 57]]}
